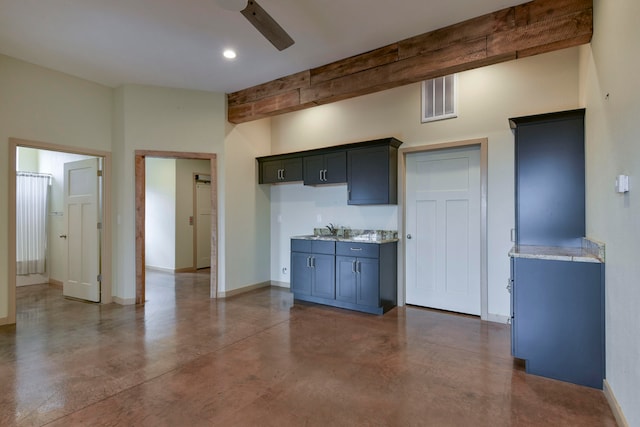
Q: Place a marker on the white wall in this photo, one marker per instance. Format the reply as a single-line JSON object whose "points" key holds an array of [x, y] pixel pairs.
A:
{"points": [[185, 169], [487, 98], [43, 105], [610, 66], [160, 213]]}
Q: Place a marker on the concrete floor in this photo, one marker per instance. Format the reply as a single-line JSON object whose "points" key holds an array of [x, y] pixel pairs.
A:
{"points": [[259, 360]]}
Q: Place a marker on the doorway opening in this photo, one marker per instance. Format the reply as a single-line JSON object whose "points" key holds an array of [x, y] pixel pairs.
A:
{"points": [[459, 206], [144, 255], [86, 277]]}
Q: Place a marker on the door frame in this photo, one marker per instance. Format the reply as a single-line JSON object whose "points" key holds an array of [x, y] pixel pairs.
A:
{"points": [[105, 247], [483, 143], [140, 186]]}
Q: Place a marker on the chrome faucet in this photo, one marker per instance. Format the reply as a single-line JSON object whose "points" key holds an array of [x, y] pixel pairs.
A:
{"points": [[332, 229]]}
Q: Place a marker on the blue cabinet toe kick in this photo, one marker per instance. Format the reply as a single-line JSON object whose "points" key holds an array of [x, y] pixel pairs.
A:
{"points": [[342, 304]]}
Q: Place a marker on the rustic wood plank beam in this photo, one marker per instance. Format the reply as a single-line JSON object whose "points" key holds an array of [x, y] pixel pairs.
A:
{"points": [[528, 29]]}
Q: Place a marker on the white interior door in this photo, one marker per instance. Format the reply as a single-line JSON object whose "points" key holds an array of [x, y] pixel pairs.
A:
{"points": [[83, 234], [443, 220], [203, 225]]}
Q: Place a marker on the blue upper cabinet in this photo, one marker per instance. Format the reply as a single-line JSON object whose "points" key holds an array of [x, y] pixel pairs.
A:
{"points": [[550, 179]]}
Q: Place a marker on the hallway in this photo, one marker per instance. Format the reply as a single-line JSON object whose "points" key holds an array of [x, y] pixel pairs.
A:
{"points": [[255, 359]]}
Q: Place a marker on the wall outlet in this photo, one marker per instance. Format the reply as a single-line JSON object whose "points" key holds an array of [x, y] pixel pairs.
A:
{"points": [[284, 270]]}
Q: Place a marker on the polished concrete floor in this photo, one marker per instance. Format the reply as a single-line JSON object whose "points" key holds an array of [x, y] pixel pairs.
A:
{"points": [[259, 360]]}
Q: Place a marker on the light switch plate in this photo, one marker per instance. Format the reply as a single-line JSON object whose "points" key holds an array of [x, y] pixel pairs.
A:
{"points": [[622, 183]]}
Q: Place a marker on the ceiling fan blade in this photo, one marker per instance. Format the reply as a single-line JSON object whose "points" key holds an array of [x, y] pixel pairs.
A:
{"points": [[267, 26]]}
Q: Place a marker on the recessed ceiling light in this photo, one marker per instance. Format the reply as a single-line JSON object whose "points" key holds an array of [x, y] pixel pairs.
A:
{"points": [[229, 53]]}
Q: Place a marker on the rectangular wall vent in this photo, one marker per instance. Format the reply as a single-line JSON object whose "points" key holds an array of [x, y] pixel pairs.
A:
{"points": [[439, 98]]}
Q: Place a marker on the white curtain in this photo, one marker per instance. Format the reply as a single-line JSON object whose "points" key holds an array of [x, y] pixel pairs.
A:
{"points": [[31, 222]]}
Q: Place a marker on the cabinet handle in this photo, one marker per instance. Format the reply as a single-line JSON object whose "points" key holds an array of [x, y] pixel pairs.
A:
{"points": [[282, 174], [313, 262], [325, 175], [309, 262], [358, 267], [353, 266], [356, 249]]}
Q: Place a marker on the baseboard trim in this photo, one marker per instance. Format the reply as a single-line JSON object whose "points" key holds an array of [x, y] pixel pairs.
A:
{"points": [[5, 321], [497, 318], [277, 284], [124, 301], [245, 289], [171, 270], [613, 403], [56, 283]]}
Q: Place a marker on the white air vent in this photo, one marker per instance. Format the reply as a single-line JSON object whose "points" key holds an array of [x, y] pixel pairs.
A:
{"points": [[439, 98]]}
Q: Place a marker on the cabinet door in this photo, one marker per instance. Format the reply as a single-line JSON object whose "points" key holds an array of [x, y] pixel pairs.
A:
{"points": [[271, 172], [512, 295], [292, 169], [368, 177], [560, 319], [335, 167], [324, 276], [313, 170], [368, 283], [550, 183], [346, 279], [300, 273]]}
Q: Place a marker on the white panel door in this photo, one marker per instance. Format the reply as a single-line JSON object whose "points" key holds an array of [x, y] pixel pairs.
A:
{"points": [[443, 220], [203, 225], [83, 235]]}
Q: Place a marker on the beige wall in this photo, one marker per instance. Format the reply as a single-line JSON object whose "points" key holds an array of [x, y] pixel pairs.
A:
{"points": [[40, 104], [43, 105], [246, 209], [154, 118], [610, 66], [487, 98]]}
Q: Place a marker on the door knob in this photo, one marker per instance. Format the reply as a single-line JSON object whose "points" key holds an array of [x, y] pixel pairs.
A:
{"points": [[63, 236], [408, 236]]}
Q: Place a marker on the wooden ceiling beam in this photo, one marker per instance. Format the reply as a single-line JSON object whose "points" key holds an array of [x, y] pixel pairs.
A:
{"points": [[529, 29]]}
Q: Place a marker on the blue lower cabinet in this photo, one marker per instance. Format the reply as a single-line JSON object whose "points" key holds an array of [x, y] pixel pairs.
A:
{"points": [[358, 280], [365, 282], [323, 282], [558, 319]]}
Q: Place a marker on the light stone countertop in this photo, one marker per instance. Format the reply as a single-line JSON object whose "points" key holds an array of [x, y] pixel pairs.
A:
{"points": [[586, 253], [377, 239]]}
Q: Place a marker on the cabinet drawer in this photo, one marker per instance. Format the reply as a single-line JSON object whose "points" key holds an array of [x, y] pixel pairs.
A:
{"points": [[323, 247], [356, 249], [300, 245], [313, 246]]}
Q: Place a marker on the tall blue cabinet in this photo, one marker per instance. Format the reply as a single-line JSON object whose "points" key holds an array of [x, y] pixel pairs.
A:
{"points": [[557, 278]]}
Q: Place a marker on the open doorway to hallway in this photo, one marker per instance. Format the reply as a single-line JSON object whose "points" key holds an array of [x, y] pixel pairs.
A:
{"points": [[177, 223], [167, 215]]}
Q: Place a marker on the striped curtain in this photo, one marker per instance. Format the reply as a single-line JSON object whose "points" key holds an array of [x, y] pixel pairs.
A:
{"points": [[31, 222]]}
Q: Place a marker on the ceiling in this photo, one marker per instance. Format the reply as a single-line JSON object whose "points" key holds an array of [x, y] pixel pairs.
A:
{"points": [[179, 44]]}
